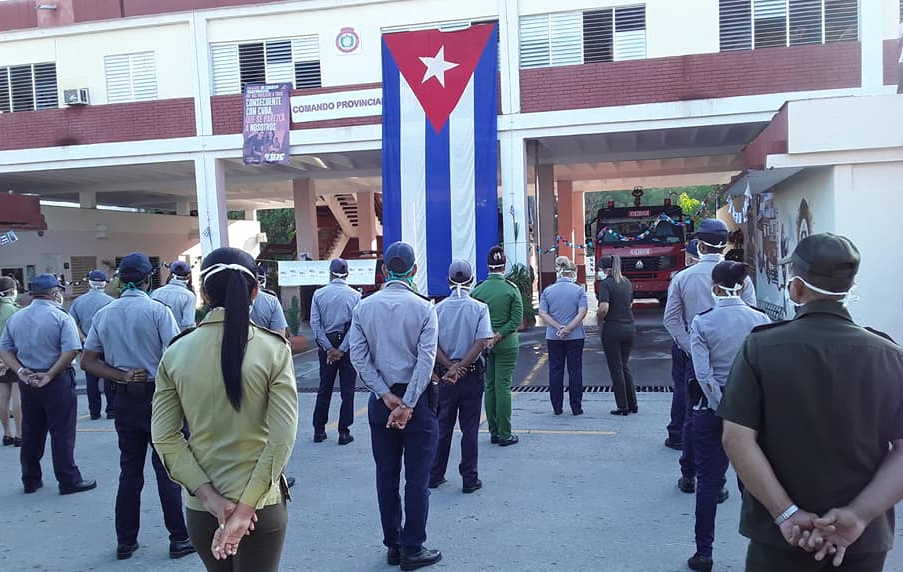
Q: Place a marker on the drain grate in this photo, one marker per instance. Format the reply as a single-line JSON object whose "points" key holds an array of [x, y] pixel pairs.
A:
{"points": [[533, 389]]}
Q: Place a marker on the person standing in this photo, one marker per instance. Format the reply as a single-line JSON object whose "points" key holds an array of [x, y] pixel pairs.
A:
{"points": [[9, 381], [131, 334], [507, 312], [178, 296], [267, 311], [715, 338], [39, 343], [393, 342], [562, 307], [465, 329], [82, 311], [813, 423], [243, 416], [617, 330], [690, 294], [330, 319], [679, 372]]}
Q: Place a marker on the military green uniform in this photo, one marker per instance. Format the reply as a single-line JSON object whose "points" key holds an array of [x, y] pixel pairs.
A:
{"points": [[506, 312]]}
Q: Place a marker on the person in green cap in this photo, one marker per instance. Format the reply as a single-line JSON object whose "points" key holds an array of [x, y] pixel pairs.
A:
{"points": [[506, 311]]}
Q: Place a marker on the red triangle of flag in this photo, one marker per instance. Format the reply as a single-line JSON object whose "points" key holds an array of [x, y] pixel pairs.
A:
{"points": [[437, 65]]}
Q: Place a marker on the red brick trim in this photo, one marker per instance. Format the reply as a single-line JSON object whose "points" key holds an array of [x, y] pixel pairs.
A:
{"points": [[771, 140]]}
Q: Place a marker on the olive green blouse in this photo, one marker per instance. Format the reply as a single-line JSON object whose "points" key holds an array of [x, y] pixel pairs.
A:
{"points": [[241, 453]]}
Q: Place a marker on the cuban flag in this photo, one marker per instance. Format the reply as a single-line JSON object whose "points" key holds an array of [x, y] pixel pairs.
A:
{"points": [[440, 157]]}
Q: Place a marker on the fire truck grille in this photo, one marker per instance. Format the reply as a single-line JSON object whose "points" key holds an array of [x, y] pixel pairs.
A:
{"points": [[644, 263]]}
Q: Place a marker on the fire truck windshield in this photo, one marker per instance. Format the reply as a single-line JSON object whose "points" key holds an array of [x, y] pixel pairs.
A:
{"points": [[640, 231]]}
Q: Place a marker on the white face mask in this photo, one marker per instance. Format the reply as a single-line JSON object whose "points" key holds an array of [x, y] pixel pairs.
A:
{"points": [[602, 275], [9, 295], [57, 298], [847, 298], [96, 285]]}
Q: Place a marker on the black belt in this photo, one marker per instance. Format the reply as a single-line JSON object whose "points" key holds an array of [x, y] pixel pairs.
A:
{"points": [[139, 388]]}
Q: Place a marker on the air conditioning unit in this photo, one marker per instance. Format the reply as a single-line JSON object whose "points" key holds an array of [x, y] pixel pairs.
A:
{"points": [[76, 96]]}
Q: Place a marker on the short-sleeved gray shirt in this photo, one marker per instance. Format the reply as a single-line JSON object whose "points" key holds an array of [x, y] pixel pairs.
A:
{"points": [[562, 301], [267, 312], [39, 333], [462, 321], [180, 300], [85, 306]]}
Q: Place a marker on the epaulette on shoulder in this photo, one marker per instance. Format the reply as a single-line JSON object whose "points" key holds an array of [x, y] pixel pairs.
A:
{"points": [[419, 295], [279, 335], [764, 327], [513, 285], [881, 334], [704, 312], [182, 334], [759, 310]]}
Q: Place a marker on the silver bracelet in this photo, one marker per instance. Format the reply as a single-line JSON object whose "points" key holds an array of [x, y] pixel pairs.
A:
{"points": [[786, 515], [19, 371]]}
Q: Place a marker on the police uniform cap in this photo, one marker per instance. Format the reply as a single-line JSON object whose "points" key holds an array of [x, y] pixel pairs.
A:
{"points": [[338, 267], [460, 272], [712, 231], [134, 264], [7, 283], [43, 283], [97, 275], [180, 268], [826, 260], [399, 257], [496, 257]]}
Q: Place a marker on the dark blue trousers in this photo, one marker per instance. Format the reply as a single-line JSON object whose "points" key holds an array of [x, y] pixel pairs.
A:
{"points": [[687, 463], [93, 389], [462, 401], [133, 417], [711, 466], [347, 378], [50, 409], [679, 395], [571, 353], [416, 446]]}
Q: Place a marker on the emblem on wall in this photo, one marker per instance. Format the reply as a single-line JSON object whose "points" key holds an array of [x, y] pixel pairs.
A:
{"points": [[347, 41]]}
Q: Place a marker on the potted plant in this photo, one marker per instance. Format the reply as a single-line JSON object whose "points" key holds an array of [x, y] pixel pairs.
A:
{"points": [[523, 277]]}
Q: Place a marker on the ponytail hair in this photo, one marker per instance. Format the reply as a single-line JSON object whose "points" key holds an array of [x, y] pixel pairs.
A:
{"points": [[229, 278], [730, 276]]}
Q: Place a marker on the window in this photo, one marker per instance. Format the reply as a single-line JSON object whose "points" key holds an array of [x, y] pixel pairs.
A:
{"points": [[28, 87], [747, 24], [295, 61], [568, 38], [131, 77]]}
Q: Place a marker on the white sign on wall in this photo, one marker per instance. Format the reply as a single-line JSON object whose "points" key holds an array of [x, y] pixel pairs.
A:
{"points": [[316, 272], [338, 105]]}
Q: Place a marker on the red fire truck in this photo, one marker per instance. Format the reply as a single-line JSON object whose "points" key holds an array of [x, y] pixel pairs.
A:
{"points": [[650, 241]]}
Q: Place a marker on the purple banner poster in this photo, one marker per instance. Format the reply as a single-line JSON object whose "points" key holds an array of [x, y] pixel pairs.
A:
{"points": [[266, 127]]}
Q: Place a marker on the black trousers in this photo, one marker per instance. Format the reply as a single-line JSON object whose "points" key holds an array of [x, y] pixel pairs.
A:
{"points": [[92, 383], [347, 378], [50, 409], [617, 341], [258, 552], [764, 558], [461, 401], [416, 446], [133, 416], [570, 353]]}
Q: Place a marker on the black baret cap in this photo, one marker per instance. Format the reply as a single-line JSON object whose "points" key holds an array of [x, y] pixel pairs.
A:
{"points": [[496, 257], [826, 260]]}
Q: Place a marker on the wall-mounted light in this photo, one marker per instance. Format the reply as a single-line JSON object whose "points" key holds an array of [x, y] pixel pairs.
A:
{"points": [[46, 6]]}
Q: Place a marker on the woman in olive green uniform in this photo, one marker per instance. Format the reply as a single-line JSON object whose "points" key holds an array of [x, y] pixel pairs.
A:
{"points": [[243, 418], [9, 381]]}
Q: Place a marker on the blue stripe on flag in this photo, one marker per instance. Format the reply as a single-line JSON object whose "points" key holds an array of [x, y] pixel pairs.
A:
{"points": [[438, 209], [486, 152], [391, 160]]}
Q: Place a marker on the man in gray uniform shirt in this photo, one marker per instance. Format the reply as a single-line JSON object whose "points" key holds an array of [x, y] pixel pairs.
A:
{"points": [[393, 348], [330, 319], [177, 295], [266, 311], [82, 311]]}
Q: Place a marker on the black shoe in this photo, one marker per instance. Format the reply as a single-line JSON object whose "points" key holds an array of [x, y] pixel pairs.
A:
{"points": [[620, 412], [435, 484], [425, 557], [33, 488], [79, 487], [472, 487], [95, 416], [699, 562], [111, 416], [686, 485], [289, 482], [393, 556], [125, 551], [345, 437], [508, 441], [723, 496], [17, 441], [578, 412], [180, 548], [319, 437], [558, 411], [494, 439], [634, 409], [7, 440], [676, 445]]}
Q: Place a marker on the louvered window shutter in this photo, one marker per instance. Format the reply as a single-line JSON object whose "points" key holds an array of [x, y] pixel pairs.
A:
{"points": [[225, 70], [735, 22], [534, 41], [131, 77], [841, 20], [45, 88], [598, 36], [144, 76], [306, 61], [805, 22], [252, 63], [4, 91], [279, 68], [22, 88], [566, 38], [630, 33], [119, 86], [770, 25]]}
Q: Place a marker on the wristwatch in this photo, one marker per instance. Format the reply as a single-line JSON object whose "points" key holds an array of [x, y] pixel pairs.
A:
{"points": [[786, 515]]}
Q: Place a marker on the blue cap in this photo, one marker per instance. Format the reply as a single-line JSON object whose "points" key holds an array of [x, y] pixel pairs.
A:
{"points": [[43, 283], [135, 265], [460, 272], [180, 268], [712, 232], [338, 267], [399, 257], [693, 248], [98, 276]]}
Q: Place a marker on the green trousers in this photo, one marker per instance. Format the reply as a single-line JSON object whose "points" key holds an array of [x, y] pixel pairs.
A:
{"points": [[499, 371]]}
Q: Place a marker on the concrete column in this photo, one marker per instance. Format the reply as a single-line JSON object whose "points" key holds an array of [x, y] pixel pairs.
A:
{"points": [[579, 219], [306, 232], [566, 217], [509, 54], [183, 207], [514, 198], [87, 199], [213, 226], [366, 222], [545, 198], [871, 41], [201, 82]]}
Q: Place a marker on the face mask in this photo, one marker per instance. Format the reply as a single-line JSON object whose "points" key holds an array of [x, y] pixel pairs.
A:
{"points": [[9, 295], [57, 298], [601, 274], [179, 281], [847, 295], [97, 285]]}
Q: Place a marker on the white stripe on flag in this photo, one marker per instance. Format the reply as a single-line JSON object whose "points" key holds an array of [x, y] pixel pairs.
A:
{"points": [[462, 165], [412, 154]]}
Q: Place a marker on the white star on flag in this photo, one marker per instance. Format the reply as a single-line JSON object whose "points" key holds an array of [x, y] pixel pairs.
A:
{"points": [[437, 66]]}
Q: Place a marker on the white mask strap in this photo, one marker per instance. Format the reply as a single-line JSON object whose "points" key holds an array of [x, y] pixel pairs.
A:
{"points": [[219, 267]]}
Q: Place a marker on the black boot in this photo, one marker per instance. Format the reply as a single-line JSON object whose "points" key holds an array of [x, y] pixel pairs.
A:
{"points": [[699, 562]]}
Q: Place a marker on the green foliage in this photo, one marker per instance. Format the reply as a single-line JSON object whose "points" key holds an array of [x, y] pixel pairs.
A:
{"points": [[235, 215], [293, 315], [696, 196], [523, 276], [688, 204], [278, 224]]}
